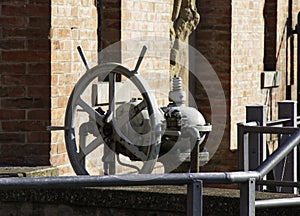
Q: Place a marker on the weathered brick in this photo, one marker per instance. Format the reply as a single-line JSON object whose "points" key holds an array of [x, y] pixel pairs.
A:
{"points": [[40, 2], [24, 103], [38, 114], [39, 137], [12, 114], [41, 45], [12, 160], [39, 68], [61, 148], [37, 160], [38, 91], [39, 22], [12, 68], [12, 126], [25, 56], [28, 80], [33, 33], [12, 91], [36, 149], [12, 44], [26, 10], [15, 21], [14, 137]]}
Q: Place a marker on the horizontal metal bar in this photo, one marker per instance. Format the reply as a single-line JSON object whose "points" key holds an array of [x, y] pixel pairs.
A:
{"points": [[269, 130], [291, 201], [126, 180], [278, 122], [52, 128]]}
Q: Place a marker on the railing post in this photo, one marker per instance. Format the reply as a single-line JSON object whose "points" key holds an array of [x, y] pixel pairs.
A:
{"points": [[257, 142], [243, 148], [287, 169], [194, 198], [247, 198]]}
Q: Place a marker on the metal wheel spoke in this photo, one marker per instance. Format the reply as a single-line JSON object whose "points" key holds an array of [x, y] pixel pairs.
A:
{"points": [[137, 109], [92, 112], [85, 150]]}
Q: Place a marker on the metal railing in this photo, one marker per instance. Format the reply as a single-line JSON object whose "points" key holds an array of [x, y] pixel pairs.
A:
{"points": [[194, 181], [253, 145]]}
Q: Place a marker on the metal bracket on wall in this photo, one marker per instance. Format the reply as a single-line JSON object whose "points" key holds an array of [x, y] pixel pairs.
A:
{"points": [[270, 79]]}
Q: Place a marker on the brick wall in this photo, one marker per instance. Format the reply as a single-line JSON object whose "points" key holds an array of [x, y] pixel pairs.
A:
{"points": [[74, 23], [240, 41], [109, 30], [148, 23], [213, 40], [24, 82], [247, 49], [39, 63]]}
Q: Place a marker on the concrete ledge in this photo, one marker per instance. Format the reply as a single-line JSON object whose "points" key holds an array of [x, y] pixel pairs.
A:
{"points": [[39, 171], [139, 201]]}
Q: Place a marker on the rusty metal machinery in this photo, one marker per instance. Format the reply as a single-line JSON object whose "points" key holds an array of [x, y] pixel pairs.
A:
{"points": [[130, 131]]}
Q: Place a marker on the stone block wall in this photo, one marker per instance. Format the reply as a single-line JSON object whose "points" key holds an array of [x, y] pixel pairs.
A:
{"points": [[24, 82]]}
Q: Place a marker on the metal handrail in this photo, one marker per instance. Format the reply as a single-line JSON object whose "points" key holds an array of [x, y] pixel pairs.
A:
{"points": [[127, 180], [245, 178]]}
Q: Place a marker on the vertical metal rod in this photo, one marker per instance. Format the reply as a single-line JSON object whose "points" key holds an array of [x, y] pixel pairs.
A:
{"points": [[288, 109], [109, 155], [195, 158], [247, 198], [194, 198], [85, 62], [112, 108], [243, 147]]}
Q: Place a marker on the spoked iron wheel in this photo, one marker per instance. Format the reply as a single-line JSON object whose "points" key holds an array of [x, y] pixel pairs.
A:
{"points": [[93, 133]]}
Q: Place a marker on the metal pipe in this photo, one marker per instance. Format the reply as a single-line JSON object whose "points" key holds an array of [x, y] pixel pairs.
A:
{"points": [[291, 201], [126, 180], [282, 151]]}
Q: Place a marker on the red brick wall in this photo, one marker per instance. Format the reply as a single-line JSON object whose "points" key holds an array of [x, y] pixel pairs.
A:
{"points": [[213, 40], [24, 82], [109, 29], [270, 16], [241, 39], [109, 22]]}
